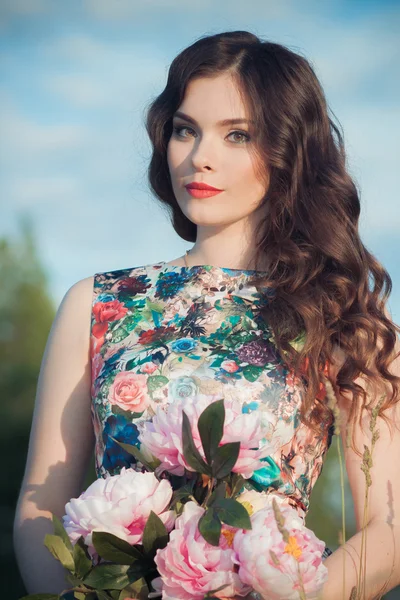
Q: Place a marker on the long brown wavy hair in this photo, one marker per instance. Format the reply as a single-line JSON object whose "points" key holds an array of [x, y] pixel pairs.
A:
{"points": [[307, 237]]}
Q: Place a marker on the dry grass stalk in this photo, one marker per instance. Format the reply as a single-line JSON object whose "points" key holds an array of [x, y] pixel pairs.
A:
{"points": [[280, 521], [366, 466]]}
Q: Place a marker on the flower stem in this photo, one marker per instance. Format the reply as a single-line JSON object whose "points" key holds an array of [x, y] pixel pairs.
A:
{"points": [[209, 492]]}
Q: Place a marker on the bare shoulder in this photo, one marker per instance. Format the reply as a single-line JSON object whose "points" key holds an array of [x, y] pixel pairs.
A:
{"points": [[75, 310]]}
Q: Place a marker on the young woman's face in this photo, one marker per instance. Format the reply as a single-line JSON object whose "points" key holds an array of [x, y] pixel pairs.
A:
{"points": [[218, 155]]}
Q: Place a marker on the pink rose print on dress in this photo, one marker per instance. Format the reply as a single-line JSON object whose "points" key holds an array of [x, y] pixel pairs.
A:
{"points": [[149, 368], [129, 391], [230, 366]]}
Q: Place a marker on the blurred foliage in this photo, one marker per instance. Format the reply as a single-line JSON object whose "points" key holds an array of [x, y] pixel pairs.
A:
{"points": [[325, 514], [26, 315]]}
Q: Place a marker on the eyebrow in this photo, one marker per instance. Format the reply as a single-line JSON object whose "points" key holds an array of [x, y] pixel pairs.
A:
{"points": [[222, 123]]}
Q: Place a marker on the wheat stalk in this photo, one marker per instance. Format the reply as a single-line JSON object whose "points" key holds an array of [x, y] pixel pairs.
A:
{"points": [[365, 467], [280, 521]]}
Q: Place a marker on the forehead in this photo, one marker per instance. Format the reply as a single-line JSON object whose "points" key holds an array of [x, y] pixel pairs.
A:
{"points": [[213, 100]]}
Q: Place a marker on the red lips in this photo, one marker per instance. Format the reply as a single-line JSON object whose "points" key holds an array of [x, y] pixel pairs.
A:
{"points": [[201, 186]]}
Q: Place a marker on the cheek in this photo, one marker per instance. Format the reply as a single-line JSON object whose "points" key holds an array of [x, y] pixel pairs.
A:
{"points": [[175, 155], [241, 171]]}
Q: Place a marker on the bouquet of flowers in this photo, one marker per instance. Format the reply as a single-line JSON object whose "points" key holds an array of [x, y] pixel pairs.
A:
{"points": [[186, 526]]}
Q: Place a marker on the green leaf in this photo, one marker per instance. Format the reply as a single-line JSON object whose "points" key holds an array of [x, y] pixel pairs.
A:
{"points": [[218, 494], [210, 527], [112, 548], [252, 373], [299, 341], [60, 531], [82, 560], [60, 551], [40, 597], [183, 492], [134, 450], [156, 381], [73, 580], [155, 534], [225, 459], [79, 596], [190, 452], [120, 332], [105, 577], [237, 484], [139, 570], [233, 513], [139, 589], [211, 428], [102, 595]]}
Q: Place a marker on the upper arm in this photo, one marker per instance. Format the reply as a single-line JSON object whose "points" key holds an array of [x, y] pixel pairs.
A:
{"points": [[62, 437], [384, 491]]}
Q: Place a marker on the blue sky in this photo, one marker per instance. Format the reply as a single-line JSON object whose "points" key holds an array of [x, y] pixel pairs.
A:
{"points": [[75, 80]]}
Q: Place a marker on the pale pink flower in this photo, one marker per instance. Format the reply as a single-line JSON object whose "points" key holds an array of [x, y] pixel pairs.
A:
{"points": [[129, 391], [229, 365], [303, 552], [163, 434], [190, 567], [149, 368], [253, 500], [119, 504]]}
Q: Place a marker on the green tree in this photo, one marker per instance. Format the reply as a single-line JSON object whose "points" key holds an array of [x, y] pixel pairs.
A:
{"points": [[26, 314]]}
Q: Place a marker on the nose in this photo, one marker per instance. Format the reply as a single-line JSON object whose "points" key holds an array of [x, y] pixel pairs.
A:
{"points": [[203, 154]]}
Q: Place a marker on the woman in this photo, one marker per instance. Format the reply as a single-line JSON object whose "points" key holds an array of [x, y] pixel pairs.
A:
{"points": [[272, 298]]}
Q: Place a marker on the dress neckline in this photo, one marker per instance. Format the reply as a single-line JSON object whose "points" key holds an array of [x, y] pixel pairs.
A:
{"points": [[209, 268]]}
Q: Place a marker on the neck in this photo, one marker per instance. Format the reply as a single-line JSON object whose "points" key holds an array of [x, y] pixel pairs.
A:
{"points": [[223, 251]]}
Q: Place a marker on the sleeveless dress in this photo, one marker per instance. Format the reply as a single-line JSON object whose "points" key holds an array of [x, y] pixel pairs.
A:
{"points": [[160, 332]]}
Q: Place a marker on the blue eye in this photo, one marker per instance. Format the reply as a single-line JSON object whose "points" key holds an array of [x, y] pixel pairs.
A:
{"points": [[178, 129]]}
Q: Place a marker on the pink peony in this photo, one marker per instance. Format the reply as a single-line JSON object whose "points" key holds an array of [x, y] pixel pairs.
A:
{"points": [[253, 500], [129, 391], [303, 552], [190, 567], [119, 504], [163, 434]]}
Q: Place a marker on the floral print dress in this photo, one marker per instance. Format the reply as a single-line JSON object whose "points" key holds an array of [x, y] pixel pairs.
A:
{"points": [[161, 332]]}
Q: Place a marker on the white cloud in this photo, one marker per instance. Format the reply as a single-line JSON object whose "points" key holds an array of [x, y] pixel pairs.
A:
{"points": [[80, 47], [23, 7], [79, 90], [124, 9], [42, 191], [101, 74], [346, 56], [22, 137]]}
